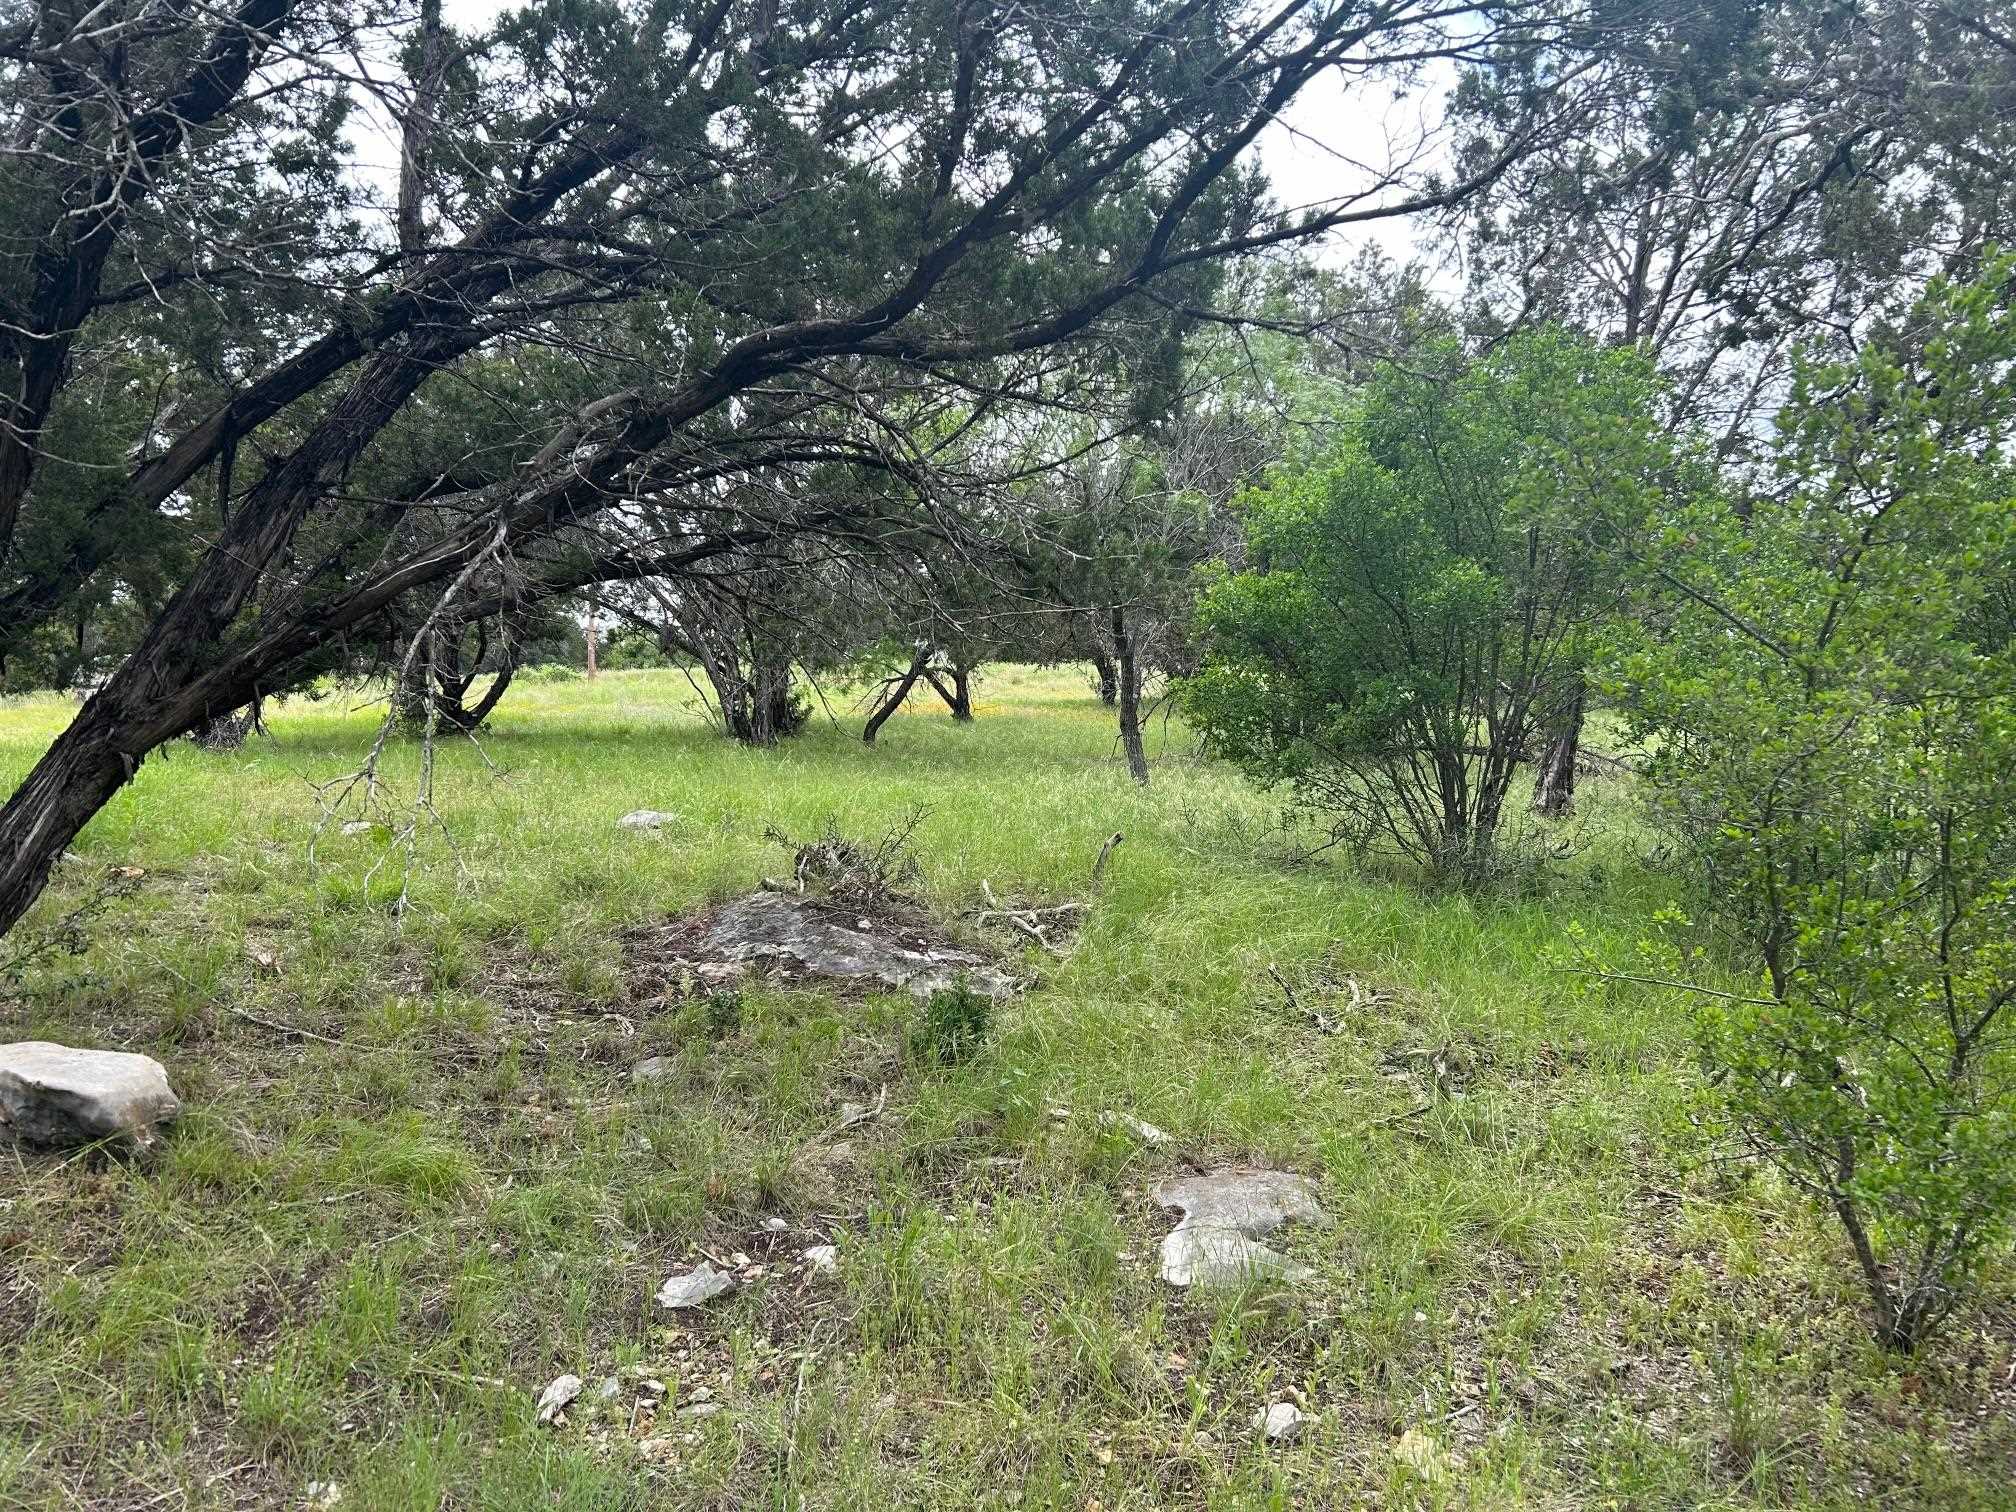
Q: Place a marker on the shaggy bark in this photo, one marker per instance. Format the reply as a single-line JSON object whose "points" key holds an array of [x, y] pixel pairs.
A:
{"points": [[1554, 787], [164, 688], [1108, 675], [1129, 697]]}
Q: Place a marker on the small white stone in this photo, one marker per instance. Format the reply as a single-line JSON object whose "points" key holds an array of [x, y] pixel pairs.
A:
{"points": [[558, 1395], [1140, 1128], [852, 1113], [654, 1068], [775, 1226], [1281, 1423], [823, 1258]]}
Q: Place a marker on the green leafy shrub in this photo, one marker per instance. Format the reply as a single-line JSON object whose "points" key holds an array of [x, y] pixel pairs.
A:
{"points": [[1827, 668], [722, 1011], [1422, 595], [549, 672]]}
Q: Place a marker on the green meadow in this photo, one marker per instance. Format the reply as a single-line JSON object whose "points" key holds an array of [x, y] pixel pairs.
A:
{"points": [[414, 1180]]}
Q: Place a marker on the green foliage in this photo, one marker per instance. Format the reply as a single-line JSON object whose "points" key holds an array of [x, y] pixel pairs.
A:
{"points": [[630, 650], [722, 1011], [1421, 594], [1832, 686], [549, 672], [955, 1025]]}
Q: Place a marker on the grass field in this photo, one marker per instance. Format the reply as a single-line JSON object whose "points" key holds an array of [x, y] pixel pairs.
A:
{"points": [[414, 1182]]}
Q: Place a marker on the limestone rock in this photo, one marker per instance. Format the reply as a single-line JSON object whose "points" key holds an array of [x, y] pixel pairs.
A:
{"points": [[804, 939], [1280, 1423], [655, 1068], [558, 1395], [1225, 1214], [691, 1290], [1140, 1128], [1420, 1452], [55, 1095], [646, 819]]}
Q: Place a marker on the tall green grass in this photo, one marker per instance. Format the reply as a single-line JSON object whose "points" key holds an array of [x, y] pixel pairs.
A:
{"points": [[415, 1181]]}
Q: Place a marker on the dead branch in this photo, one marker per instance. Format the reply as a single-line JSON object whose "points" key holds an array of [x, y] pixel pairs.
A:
{"points": [[1105, 853]]}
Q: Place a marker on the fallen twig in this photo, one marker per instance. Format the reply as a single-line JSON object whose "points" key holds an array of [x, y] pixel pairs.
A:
{"points": [[1022, 923], [1282, 982], [1649, 981], [1028, 920], [1321, 1022], [217, 1479], [279, 1028]]}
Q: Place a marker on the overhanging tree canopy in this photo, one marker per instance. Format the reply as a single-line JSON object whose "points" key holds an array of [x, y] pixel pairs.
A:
{"points": [[730, 239]]}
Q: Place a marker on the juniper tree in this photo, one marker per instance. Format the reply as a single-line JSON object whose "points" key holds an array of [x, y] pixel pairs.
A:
{"points": [[698, 202]]}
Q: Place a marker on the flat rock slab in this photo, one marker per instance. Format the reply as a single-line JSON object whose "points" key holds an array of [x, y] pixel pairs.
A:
{"points": [[646, 819], [806, 938], [1225, 1215], [702, 1284], [55, 1095]]}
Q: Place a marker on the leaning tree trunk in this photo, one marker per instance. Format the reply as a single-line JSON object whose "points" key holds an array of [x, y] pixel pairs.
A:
{"points": [[1129, 698], [898, 691], [172, 682], [1554, 788], [959, 695], [458, 716]]}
